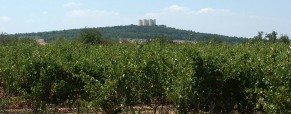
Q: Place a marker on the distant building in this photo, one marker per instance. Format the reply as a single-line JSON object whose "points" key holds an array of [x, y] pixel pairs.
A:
{"points": [[147, 22], [152, 22], [140, 22]]}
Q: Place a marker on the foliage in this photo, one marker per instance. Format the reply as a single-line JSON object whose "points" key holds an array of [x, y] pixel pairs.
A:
{"points": [[192, 77], [6, 39], [90, 36], [285, 39], [135, 32], [259, 37], [272, 37]]}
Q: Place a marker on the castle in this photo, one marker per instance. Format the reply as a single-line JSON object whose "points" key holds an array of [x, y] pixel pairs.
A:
{"points": [[147, 22]]}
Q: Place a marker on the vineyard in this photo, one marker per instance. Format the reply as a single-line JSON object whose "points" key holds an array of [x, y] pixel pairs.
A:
{"points": [[185, 78]]}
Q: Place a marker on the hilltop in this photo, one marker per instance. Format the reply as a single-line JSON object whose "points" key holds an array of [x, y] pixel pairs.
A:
{"points": [[135, 32]]}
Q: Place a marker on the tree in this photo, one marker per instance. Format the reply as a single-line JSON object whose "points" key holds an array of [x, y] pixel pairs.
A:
{"points": [[90, 36], [285, 39], [259, 36], [216, 40], [272, 36]]}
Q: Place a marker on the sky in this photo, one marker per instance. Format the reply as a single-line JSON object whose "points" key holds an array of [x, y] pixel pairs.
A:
{"points": [[241, 18]]}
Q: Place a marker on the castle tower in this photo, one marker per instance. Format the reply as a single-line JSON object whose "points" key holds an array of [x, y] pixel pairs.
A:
{"points": [[140, 22], [152, 22], [146, 22]]}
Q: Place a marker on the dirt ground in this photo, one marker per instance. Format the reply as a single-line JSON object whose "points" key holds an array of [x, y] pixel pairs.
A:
{"points": [[138, 110], [21, 108]]}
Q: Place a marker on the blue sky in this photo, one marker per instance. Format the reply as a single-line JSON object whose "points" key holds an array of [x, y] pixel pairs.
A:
{"points": [[243, 18]]}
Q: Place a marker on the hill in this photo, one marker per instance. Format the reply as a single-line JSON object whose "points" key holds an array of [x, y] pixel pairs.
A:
{"points": [[136, 32]]}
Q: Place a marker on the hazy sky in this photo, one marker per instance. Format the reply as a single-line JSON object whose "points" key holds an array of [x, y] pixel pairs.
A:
{"points": [[243, 18]]}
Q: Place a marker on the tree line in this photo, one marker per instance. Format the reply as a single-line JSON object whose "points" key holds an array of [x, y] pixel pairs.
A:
{"points": [[271, 37], [135, 32]]}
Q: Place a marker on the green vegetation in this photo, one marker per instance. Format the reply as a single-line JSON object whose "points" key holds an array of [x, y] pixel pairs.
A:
{"points": [[270, 37], [135, 32], [6, 39], [211, 77], [90, 36]]}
